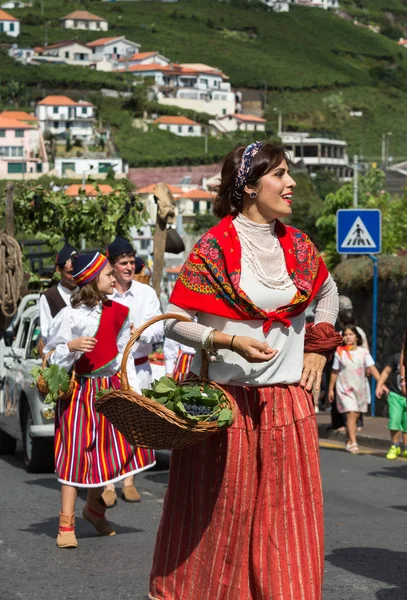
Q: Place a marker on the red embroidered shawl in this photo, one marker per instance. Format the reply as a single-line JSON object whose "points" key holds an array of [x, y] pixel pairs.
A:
{"points": [[209, 279]]}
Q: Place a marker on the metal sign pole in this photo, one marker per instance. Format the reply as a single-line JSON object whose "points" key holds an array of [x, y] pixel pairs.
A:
{"points": [[374, 325]]}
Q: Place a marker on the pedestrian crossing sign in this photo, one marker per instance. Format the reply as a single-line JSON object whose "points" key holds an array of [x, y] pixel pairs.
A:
{"points": [[358, 231]]}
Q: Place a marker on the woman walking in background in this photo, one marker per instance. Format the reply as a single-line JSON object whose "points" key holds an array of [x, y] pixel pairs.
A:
{"points": [[242, 517], [349, 379]]}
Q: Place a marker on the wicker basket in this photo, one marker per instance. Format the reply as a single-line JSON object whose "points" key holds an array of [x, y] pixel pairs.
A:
{"points": [[142, 277], [42, 384], [146, 423]]}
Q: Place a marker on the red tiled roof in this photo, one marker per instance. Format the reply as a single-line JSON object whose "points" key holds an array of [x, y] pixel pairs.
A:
{"points": [[149, 189], [19, 115], [172, 69], [174, 121], [402, 42], [197, 195], [251, 118], [150, 67], [6, 123], [6, 17], [82, 15], [62, 101], [138, 56], [60, 45], [90, 190], [172, 175], [103, 41]]}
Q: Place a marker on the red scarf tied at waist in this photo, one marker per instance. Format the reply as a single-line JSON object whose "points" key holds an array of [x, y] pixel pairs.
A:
{"points": [[209, 279]]}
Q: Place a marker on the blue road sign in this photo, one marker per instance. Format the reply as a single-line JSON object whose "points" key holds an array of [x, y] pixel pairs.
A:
{"points": [[358, 231]]}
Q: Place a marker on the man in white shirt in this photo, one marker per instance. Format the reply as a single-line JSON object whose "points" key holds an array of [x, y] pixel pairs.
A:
{"points": [[144, 305], [59, 296]]}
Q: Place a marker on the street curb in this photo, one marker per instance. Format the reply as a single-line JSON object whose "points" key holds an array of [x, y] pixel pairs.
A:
{"points": [[326, 433]]}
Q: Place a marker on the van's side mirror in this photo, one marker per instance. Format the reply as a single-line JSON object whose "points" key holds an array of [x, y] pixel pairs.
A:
{"points": [[9, 337]]}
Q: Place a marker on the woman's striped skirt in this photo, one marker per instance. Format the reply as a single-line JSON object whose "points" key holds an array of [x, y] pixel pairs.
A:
{"points": [[89, 451], [182, 366], [243, 516]]}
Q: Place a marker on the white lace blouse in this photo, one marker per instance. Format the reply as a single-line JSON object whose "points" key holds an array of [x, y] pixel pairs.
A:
{"points": [[265, 280], [71, 323]]}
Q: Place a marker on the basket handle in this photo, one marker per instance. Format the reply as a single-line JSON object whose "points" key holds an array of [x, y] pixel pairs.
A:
{"points": [[124, 386], [46, 357]]}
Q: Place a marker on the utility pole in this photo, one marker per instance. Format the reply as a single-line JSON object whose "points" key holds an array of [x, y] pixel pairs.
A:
{"points": [[206, 141], [355, 180]]}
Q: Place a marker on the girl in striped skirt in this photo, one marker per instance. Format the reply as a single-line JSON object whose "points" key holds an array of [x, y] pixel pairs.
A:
{"points": [[242, 517], [90, 336]]}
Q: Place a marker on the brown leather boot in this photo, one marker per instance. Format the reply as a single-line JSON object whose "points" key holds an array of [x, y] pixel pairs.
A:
{"points": [[94, 512], [109, 497], [66, 532], [130, 494]]}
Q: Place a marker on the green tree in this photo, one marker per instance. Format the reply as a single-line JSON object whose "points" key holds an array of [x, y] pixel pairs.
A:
{"points": [[49, 216]]}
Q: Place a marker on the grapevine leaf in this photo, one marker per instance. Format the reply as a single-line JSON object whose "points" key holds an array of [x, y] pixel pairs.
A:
{"points": [[102, 393], [170, 405], [57, 379], [180, 408], [225, 417]]}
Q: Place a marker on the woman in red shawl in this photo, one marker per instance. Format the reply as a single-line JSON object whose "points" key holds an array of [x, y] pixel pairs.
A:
{"points": [[243, 515]]}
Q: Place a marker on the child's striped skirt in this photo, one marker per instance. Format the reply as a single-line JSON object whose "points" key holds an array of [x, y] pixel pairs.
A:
{"points": [[89, 451], [182, 366]]}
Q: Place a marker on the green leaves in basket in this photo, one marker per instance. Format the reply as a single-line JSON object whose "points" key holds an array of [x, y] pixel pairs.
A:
{"points": [[193, 402], [103, 392]]}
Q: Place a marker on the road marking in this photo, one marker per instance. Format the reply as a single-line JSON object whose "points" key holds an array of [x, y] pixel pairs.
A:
{"points": [[338, 446]]}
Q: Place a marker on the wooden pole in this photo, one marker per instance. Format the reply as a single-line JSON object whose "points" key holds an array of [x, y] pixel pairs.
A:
{"points": [[10, 209], [160, 236]]}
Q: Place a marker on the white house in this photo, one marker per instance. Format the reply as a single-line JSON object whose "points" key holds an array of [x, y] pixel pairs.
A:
{"points": [[23, 55], [318, 153], [113, 48], [82, 19], [9, 24], [22, 147], [194, 202], [61, 116], [69, 52], [402, 42], [14, 4], [277, 5], [238, 122], [194, 86], [83, 167], [142, 58], [325, 4], [179, 125]]}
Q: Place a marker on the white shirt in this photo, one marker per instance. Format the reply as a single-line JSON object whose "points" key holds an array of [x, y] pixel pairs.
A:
{"points": [[71, 323], [45, 311], [285, 367], [144, 305], [171, 350]]}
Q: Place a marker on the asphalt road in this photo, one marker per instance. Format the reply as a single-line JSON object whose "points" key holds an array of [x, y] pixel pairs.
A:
{"points": [[366, 558]]}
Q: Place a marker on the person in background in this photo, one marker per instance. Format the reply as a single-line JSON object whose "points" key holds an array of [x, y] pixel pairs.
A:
{"points": [[397, 404], [58, 296], [91, 335], [178, 359], [143, 303], [348, 378]]}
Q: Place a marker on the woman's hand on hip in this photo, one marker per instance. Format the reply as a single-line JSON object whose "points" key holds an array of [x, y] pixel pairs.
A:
{"points": [[312, 371], [82, 344], [253, 350]]}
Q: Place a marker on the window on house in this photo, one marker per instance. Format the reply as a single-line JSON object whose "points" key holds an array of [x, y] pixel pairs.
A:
{"points": [[11, 27], [2, 133], [223, 111], [84, 110], [208, 206], [114, 49], [196, 208], [190, 129], [56, 124], [66, 54], [145, 244], [20, 133], [75, 23], [55, 110], [179, 129], [1, 27]]}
